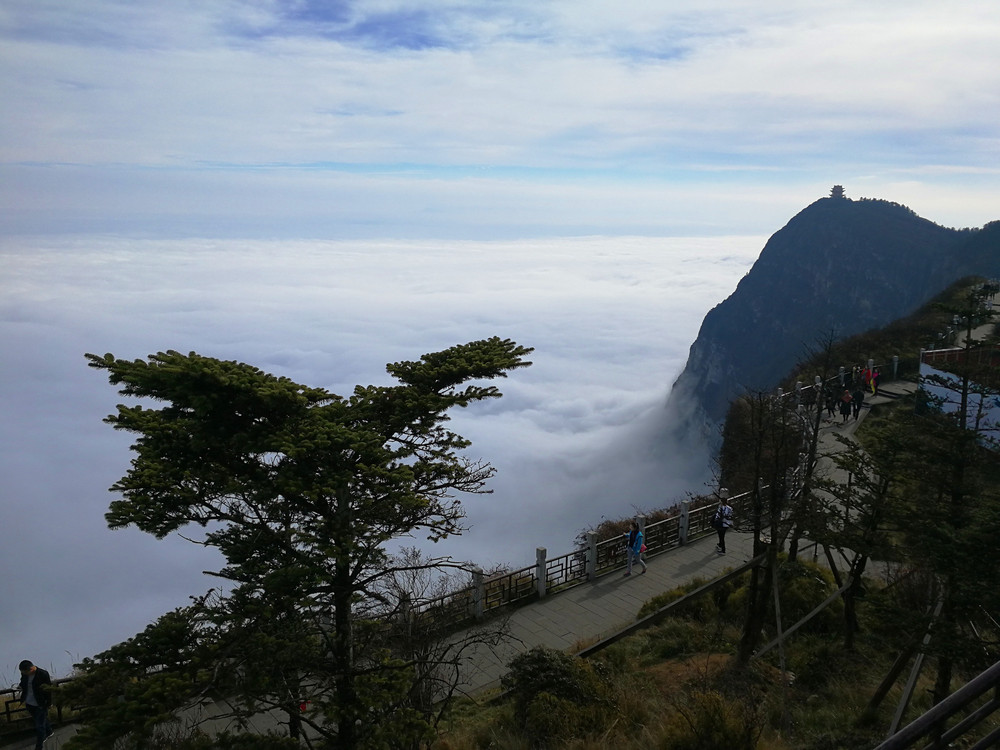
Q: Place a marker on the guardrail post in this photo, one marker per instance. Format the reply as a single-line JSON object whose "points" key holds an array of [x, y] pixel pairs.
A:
{"points": [[540, 570], [478, 592], [591, 555], [685, 521], [895, 366]]}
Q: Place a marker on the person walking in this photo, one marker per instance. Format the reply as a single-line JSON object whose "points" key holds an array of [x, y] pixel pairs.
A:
{"points": [[845, 406], [633, 549], [722, 520], [35, 686], [857, 400], [831, 404]]}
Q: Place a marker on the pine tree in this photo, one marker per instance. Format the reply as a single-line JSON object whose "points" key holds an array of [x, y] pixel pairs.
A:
{"points": [[301, 490]]}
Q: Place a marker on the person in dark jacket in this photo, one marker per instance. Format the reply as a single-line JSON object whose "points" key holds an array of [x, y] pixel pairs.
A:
{"points": [[845, 406], [35, 686], [722, 520], [857, 400]]}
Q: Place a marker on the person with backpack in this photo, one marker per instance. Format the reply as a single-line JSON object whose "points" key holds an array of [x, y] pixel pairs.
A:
{"points": [[633, 548], [722, 520]]}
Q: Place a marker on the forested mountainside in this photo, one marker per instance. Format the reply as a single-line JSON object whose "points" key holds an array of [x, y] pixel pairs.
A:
{"points": [[840, 266]]}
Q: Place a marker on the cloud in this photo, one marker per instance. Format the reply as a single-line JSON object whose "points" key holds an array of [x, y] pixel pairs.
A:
{"points": [[403, 152], [476, 120], [467, 85], [574, 438]]}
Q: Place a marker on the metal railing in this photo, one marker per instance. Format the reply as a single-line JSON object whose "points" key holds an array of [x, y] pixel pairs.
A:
{"points": [[552, 574]]}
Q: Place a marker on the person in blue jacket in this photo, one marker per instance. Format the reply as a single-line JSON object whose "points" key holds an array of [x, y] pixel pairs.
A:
{"points": [[633, 549]]}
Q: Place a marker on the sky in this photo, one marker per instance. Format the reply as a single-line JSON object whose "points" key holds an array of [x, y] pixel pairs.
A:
{"points": [[480, 120], [319, 188]]}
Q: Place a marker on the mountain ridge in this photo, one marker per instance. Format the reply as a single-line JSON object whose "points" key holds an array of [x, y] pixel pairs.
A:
{"points": [[839, 266]]}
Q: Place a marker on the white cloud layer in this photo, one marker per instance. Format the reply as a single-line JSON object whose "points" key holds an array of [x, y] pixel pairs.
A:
{"points": [[420, 162], [574, 438]]}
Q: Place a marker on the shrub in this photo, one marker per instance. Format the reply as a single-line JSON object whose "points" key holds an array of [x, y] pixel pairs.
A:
{"points": [[555, 694], [803, 587]]}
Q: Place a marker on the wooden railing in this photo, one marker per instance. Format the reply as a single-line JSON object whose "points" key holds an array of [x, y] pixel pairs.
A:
{"points": [[14, 715], [932, 724]]}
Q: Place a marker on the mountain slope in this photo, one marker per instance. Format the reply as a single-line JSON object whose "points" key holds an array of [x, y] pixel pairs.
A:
{"points": [[840, 265]]}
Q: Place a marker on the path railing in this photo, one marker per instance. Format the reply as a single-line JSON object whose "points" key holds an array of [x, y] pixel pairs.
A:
{"points": [[14, 715], [931, 725], [551, 574], [693, 521]]}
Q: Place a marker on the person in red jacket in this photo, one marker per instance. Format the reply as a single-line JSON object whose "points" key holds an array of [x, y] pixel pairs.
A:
{"points": [[35, 685]]}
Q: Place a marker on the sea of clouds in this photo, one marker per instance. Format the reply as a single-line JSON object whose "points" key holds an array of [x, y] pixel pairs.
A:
{"points": [[577, 437]]}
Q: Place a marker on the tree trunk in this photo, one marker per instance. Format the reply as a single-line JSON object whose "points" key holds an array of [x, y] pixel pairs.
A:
{"points": [[851, 626], [345, 689]]}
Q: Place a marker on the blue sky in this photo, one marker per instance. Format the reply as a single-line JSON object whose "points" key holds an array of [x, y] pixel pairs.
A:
{"points": [[487, 120]]}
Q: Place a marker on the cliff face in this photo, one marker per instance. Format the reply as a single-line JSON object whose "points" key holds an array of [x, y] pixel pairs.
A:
{"points": [[839, 266]]}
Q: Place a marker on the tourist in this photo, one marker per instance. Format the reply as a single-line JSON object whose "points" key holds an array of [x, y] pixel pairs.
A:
{"points": [[722, 520], [857, 399], [35, 685], [633, 549], [845, 406]]}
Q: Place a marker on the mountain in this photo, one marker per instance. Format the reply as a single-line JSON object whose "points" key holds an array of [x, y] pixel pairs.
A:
{"points": [[842, 266]]}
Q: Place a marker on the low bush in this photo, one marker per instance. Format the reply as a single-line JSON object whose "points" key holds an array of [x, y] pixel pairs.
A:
{"points": [[556, 695]]}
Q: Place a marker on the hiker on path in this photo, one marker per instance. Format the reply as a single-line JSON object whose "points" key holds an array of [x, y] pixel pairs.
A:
{"points": [[845, 406], [857, 400], [35, 685], [722, 520], [633, 549], [876, 376]]}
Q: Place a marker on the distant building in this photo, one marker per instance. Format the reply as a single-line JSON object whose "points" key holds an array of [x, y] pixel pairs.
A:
{"points": [[837, 191]]}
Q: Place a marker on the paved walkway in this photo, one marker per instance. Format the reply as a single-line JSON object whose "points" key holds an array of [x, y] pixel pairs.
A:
{"points": [[580, 616]]}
